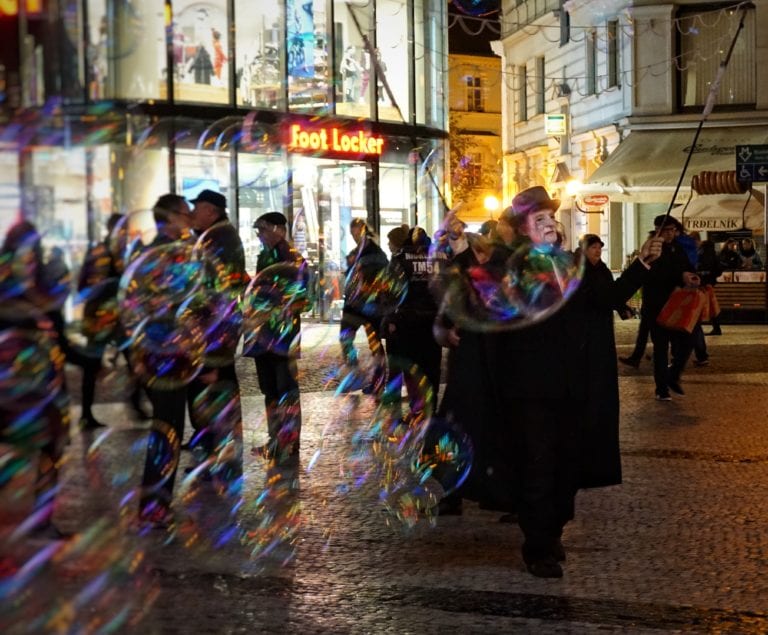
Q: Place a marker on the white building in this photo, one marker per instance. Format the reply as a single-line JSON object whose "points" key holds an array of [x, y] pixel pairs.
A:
{"points": [[632, 79]]}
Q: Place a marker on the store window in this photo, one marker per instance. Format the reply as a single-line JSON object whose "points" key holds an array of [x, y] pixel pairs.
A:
{"points": [[126, 50], [200, 51], [260, 56], [395, 188], [262, 187], [352, 21], [307, 56], [430, 48], [393, 61], [699, 66], [10, 201]]}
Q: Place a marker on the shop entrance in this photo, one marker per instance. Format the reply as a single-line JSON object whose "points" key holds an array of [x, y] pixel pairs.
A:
{"points": [[327, 195]]}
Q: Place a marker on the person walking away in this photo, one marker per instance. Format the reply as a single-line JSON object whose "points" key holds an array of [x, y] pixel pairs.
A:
{"points": [[364, 263], [275, 348], [409, 329], [670, 271], [709, 269]]}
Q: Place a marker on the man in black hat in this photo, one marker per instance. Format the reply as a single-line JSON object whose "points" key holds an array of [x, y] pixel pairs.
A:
{"points": [[671, 270], [275, 347], [220, 241]]}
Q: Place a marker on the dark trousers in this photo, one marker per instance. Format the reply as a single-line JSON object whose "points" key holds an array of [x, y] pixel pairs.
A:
{"points": [[350, 322], [699, 343], [547, 434], [642, 339], [169, 412], [413, 344], [278, 381], [680, 344]]}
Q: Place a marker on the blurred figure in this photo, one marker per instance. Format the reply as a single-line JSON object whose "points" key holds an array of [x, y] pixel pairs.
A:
{"points": [[709, 270], [34, 407], [750, 259], [729, 255], [364, 263], [410, 343], [276, 349], [641, 341], [98, 284], [396, 238]]}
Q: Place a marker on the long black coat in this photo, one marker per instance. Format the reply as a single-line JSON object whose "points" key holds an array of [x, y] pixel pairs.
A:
{"points": [[600, 459]]}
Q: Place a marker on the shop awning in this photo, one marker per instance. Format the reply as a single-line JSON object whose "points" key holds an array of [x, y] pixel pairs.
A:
{"points": [[722, 213], [649, 159]]}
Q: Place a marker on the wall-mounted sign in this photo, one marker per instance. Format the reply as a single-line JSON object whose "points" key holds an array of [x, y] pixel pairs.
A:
{"points": [[333, 139], [595, 200], [556, 124]]}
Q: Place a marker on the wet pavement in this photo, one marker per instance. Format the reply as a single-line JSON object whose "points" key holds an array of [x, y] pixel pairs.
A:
{"points": [[681, 546]]}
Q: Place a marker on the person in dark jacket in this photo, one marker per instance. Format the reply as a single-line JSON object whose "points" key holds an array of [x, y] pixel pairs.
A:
{"points": [[540, 383], [600, 295], [670, 271], [98, 284], [729, 255], [709, 268], [34, 405], [364, 263], [409, 328], [275, 347]]}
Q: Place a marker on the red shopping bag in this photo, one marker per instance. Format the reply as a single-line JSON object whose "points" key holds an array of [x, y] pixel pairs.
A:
{"points": [[682, 310]]}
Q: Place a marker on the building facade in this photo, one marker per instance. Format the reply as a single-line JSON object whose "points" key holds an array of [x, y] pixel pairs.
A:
{"points": [[602, 101], [325, 110], [474, 97]]}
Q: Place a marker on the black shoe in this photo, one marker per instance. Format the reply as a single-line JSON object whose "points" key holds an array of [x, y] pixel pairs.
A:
{"points": [[714, 332], [90, 423], [630, 361], [664, 396], [546, 567], [675, 387], [701, 362], [558, 551]]}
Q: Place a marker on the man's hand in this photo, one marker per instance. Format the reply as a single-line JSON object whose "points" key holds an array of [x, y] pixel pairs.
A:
{"points": [[691, 279], [447, 337], [651, 249]]}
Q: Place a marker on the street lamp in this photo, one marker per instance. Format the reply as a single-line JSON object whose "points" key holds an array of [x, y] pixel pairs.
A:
{"points": [[491, 204]]}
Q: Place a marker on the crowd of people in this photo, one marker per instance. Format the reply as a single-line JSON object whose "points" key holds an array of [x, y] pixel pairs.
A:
{"points": [[531, 374]]}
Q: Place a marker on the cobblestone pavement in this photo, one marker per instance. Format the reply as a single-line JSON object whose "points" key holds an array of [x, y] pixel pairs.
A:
{"points": [[681, 546]]}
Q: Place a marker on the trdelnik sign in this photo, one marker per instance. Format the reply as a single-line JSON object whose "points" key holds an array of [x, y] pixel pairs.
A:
{"points": [[712, 224]]}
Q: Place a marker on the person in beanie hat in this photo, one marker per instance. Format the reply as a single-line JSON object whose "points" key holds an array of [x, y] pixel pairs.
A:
{"points": [[275, 348]]}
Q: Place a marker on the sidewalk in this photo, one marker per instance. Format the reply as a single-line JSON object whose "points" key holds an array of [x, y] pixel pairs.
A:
{"points": [[681, 546]]}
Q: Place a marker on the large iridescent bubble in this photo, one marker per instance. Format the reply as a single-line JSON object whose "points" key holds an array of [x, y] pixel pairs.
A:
{"points": [[271, 305], [492, 288]]}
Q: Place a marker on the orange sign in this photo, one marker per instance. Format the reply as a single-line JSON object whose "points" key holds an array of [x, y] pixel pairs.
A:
{"points": [[11, 7], [333, 139], [596, 199]]}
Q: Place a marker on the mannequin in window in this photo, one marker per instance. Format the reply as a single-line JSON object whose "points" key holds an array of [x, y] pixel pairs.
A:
{"points": [[350, 75]]}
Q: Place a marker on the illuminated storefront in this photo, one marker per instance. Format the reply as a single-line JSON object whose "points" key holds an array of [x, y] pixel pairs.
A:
{"points": [[326, 110]]}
